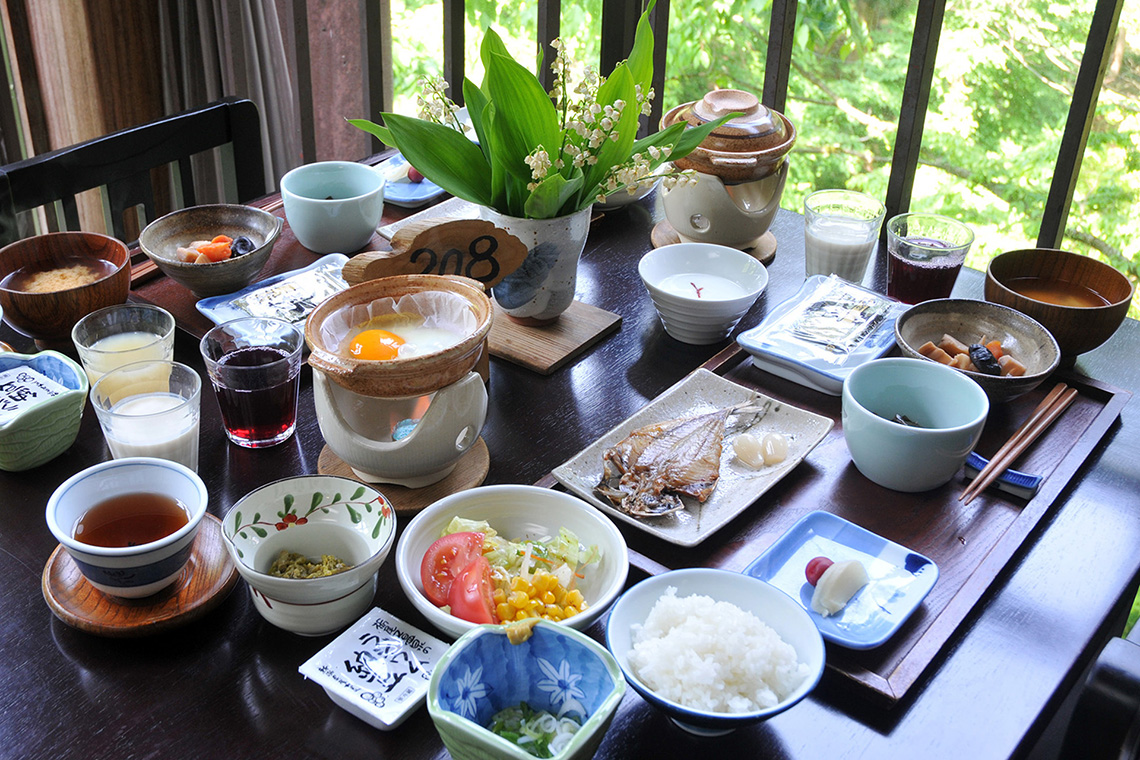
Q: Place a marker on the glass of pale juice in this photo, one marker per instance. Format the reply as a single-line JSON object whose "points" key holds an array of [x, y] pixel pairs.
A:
{"points": [[841, 231], [123, 334], [150, 409]]}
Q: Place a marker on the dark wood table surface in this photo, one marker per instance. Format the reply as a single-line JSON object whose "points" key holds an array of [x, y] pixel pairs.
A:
{"points": [[227, 685]]}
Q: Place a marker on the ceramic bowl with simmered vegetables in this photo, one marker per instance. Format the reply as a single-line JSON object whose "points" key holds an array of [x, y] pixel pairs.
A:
{"points": [[214, 249], [1001, 349], [310, 547], [498, 554]]}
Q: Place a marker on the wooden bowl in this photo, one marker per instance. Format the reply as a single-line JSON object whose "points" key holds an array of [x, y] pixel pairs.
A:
{"points": [[162, 238], [400, 377], [1077, 328], [49, 317], [972, 321]]}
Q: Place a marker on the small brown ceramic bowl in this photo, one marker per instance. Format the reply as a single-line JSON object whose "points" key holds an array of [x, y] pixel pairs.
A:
{"points": [[973, 321], [1077, 329], [400, 377], [163, 237], [48, 317]]}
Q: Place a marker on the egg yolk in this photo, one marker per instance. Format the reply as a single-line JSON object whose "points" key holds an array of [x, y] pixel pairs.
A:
{"points": [[375, 345]]}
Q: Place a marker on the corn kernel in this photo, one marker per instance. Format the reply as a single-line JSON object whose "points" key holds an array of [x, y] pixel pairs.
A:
{"points": [[504, 611]]}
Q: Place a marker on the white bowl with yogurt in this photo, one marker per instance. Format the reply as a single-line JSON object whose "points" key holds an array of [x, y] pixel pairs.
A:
{"points": [[701, 290]]}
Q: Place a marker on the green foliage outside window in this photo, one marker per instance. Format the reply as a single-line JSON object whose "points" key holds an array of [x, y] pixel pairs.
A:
{"points": [[1002, 86]]}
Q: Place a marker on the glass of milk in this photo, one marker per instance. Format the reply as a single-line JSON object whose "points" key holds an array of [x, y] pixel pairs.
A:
{"points": [[841, 231], [150, 409], [122, 334]]}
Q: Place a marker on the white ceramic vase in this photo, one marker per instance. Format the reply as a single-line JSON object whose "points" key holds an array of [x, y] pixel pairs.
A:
{"points": [[543, 287]]}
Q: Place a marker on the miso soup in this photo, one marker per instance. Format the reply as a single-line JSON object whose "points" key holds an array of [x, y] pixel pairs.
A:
{"points": [[61, 274], [1057, 292]]}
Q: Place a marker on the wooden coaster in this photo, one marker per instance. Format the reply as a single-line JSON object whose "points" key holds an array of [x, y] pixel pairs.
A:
{"points": [[470, 471], [763, 247], [206, 580], [545, 348]]}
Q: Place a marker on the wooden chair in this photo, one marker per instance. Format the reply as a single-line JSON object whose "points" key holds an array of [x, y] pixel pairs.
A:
{"points": [[1106, 719], [121, 165]]}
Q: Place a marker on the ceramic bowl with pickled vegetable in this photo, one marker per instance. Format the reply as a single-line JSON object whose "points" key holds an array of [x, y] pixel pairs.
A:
{"points": [[715, 650], [511, 552], [310, 548], [1004, 351], [214, 249], [555, 692]]}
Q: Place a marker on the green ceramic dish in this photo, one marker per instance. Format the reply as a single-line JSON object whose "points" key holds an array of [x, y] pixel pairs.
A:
{"points": [[38, 430]]}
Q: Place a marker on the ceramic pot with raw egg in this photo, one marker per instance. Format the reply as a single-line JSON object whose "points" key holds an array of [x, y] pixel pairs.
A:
{"points": [[394, 390], [741, 169]]}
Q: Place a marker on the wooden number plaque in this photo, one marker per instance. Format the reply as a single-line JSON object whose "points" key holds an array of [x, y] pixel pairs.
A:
{"points": [[468, 247]]}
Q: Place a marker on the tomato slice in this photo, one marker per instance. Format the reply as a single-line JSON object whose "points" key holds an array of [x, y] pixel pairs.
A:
{"points": [[444, 560], [471, 597]]}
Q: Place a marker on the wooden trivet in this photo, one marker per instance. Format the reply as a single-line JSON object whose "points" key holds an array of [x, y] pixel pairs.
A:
{"points": [[470, 471], [545, 348], [763, 247], [205, 582]]}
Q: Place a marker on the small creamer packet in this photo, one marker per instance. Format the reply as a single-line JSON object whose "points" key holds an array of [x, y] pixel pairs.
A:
{"points": [[378, 669]]}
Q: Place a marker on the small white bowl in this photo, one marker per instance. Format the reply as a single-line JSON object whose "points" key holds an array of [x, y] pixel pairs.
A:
{"points": [[772, 606], [130, 572], [312, 515], [516, 512], [948, 408], [701, 290]]}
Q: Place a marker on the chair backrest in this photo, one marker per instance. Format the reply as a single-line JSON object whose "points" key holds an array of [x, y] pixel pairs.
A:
{"points": [[121, 164]]}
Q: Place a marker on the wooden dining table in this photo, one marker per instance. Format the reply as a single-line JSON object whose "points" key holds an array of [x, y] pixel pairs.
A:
{"points": [[983, 671]]}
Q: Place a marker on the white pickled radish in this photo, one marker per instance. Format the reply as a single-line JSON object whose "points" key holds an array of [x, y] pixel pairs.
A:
{"points": [[837, 585], [774, 448], [748, 449]]}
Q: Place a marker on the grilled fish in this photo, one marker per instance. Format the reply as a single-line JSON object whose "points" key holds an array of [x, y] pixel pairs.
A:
{"points": [[645, 473]]}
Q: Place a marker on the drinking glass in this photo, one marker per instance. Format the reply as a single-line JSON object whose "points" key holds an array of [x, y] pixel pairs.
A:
{"points": [[841, 230], [123, 334], [150, 409], [254, 365], [925, 254]]}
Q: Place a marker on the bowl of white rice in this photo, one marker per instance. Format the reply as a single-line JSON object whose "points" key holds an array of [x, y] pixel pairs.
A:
{"points": [[715, 650]]}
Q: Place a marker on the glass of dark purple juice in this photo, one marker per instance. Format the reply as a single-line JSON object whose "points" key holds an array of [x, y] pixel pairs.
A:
{"points": [[255, 367], [925, 254]]}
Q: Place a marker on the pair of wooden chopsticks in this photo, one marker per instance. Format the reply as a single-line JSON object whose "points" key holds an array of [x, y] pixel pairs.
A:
{"points": [[1050, 408]]}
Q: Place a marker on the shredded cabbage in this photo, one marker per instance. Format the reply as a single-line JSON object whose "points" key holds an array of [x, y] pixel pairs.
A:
{"points": [[549, 553]]}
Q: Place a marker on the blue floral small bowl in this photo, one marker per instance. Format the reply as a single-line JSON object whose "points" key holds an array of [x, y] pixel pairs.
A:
{"points": [[557, 669], [41, 405]]}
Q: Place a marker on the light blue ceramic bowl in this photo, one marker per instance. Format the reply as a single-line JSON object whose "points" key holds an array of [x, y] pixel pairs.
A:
{"points": [[948, 408], [39, 431], [557, 669], [772, 606], [131, 572]]}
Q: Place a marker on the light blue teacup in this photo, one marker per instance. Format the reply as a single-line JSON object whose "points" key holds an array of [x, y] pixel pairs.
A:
{"points": [[948, 410], [333, 206]]}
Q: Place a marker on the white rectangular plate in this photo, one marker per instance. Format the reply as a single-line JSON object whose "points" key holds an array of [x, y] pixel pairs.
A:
{"points": [[739, 485]]}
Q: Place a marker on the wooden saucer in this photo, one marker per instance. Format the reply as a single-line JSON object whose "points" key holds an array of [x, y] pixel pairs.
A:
{"points": [[205, 582], [546, 348], [763, 247], [470, 471]]}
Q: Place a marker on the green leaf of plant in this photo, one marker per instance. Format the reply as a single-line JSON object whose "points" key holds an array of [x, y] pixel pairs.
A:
{"points": [[476, 104], [619, 86], [640, 59], [318, 497], [524, 116], [546, 201], [374, 129], [444, 156], [358, 493]]}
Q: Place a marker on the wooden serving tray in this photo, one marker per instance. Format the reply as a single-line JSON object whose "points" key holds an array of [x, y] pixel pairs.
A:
{"points": [[971, 544]]}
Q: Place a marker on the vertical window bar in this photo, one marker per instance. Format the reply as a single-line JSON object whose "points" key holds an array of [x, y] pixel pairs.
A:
{"points": [[298, 11], [912, 114], [1082, 110], [376, 23], [619, 22], [549, 29], [453, 69], [778, 64]]}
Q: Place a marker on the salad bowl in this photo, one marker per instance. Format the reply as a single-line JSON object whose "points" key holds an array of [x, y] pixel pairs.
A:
{"points": [[518, 512]]}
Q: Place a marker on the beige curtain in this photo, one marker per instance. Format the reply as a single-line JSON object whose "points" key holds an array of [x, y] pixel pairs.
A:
{"points": [[217, 48]]}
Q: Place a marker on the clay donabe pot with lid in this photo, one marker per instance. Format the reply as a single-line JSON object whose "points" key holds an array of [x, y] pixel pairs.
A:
{"points": [[748, 147]]}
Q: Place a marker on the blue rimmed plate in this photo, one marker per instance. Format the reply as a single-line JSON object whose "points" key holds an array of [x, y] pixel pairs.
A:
{"points": [[401, 191], [900, 578]]}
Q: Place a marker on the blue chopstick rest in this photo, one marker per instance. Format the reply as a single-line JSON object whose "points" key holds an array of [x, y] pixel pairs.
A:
{"points": [[1019, 484]]}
